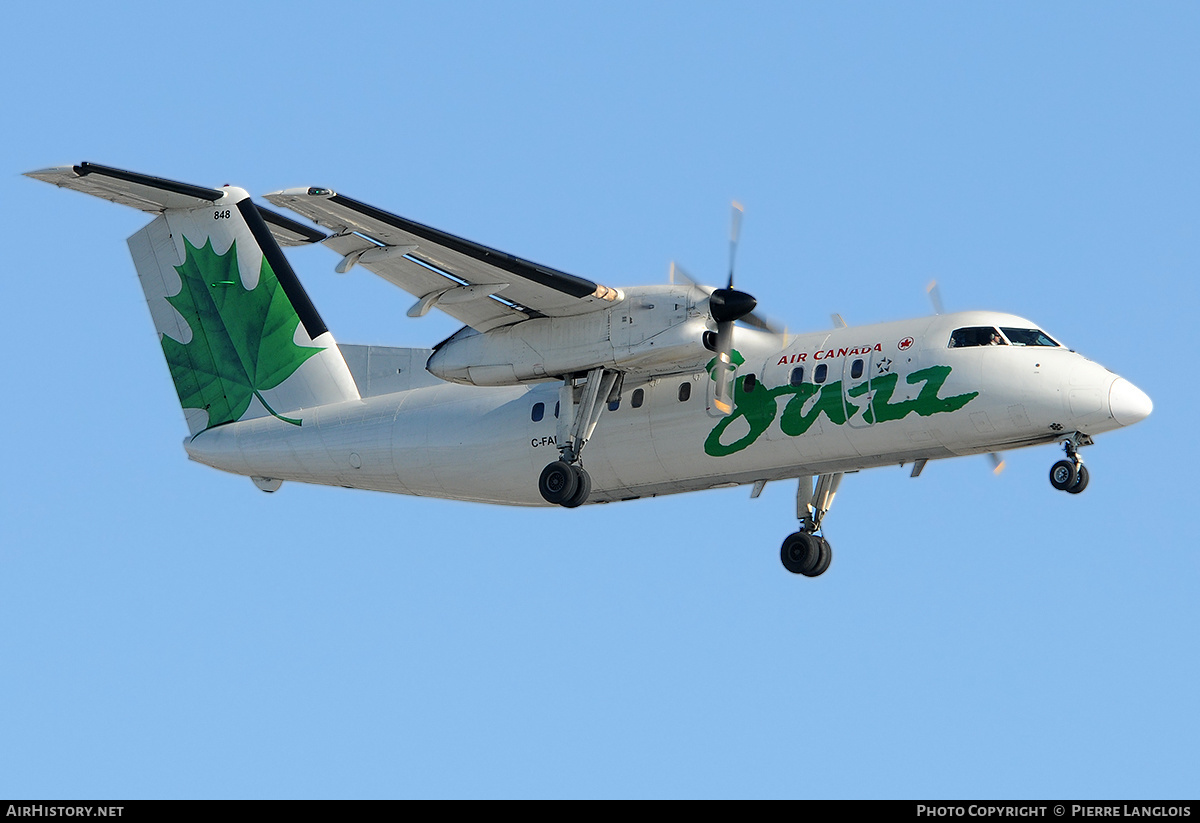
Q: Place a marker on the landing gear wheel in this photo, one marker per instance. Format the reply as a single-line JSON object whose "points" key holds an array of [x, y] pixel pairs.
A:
{"points": [[823, 559], [582, 490], [1064, 475], [801, 553], [1081, 481], [558, 482]]}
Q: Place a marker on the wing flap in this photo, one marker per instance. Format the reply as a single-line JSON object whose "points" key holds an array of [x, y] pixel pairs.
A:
{"points": [[429, 284]]}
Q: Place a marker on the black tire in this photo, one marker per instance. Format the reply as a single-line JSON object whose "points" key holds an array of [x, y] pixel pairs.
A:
{"points": [[1063, 475], [800, 553], [823, 560], [558, 482], [582, 490], [1081, 481]]}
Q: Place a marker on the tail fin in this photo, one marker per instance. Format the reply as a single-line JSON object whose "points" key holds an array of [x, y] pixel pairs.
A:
{"points": [[240, 335]]}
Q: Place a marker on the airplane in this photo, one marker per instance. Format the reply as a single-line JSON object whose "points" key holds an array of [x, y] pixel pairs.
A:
{"points": [[663, 388]]}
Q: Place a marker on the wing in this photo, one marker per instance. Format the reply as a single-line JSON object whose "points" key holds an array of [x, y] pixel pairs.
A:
{"points": [[476, 285]]}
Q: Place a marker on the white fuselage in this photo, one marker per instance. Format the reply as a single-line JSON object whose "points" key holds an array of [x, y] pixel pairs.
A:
{"points": [[914, 398]]}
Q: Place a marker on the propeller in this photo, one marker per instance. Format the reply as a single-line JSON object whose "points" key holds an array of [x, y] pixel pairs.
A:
{"points": [[997, 462], [727, 306], [754, 319]]}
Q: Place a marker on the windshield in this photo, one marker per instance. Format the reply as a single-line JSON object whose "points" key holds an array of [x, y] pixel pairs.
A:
{"points": [[1028, 337], [976, 336]]}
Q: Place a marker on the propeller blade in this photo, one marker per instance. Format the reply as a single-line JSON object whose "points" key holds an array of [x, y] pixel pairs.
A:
{"points": [[935, 297], [735, 231], [757, 321], [680, 275], [723, 368], [997, 462], [727, 306]]}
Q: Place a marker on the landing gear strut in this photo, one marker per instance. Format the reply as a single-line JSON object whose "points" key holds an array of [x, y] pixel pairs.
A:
{"points": [[565, 482], [1071, 475], [806, 552]]}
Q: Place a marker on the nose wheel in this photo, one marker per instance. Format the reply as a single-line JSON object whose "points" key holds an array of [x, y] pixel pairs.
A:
{"points": [[1070, 475]]}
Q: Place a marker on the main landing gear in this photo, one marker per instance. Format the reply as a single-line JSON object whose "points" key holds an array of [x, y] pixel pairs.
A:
{"points": [[1071, 475], [806, 552], [565, 482]]}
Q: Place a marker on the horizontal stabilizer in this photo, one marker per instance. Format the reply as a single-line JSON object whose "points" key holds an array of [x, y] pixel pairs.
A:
{"points": [[156, 194], [141, 191]]}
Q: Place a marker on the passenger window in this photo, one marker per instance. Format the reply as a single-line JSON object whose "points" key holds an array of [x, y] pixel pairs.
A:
{"points": [[856, 369], [976, 336], [539, 411], [556, 405], [614, 405], [748, 383], [820, 373], [1028, 337], [639, 396], [797, 377], [685, 391]]}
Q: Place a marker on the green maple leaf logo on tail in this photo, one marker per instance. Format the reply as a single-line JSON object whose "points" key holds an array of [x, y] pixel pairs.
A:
{"points": [[242, 339]]}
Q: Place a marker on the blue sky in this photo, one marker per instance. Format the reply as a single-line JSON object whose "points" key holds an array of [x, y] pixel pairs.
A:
{"points": [[170, 631]]}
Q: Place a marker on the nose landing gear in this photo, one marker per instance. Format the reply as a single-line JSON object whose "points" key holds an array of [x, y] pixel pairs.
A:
{"points": [[1071, 475]]}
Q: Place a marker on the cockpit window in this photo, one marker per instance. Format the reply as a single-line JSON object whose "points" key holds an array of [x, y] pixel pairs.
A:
{"points": [[1028, 337], [976, 336]]}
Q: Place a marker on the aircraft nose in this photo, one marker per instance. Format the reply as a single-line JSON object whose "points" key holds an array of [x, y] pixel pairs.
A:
{"points": [[1128, 403]]}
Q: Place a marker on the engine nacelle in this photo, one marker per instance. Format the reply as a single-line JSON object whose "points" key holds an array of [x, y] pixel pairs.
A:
{"points": [[654, 330]]}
